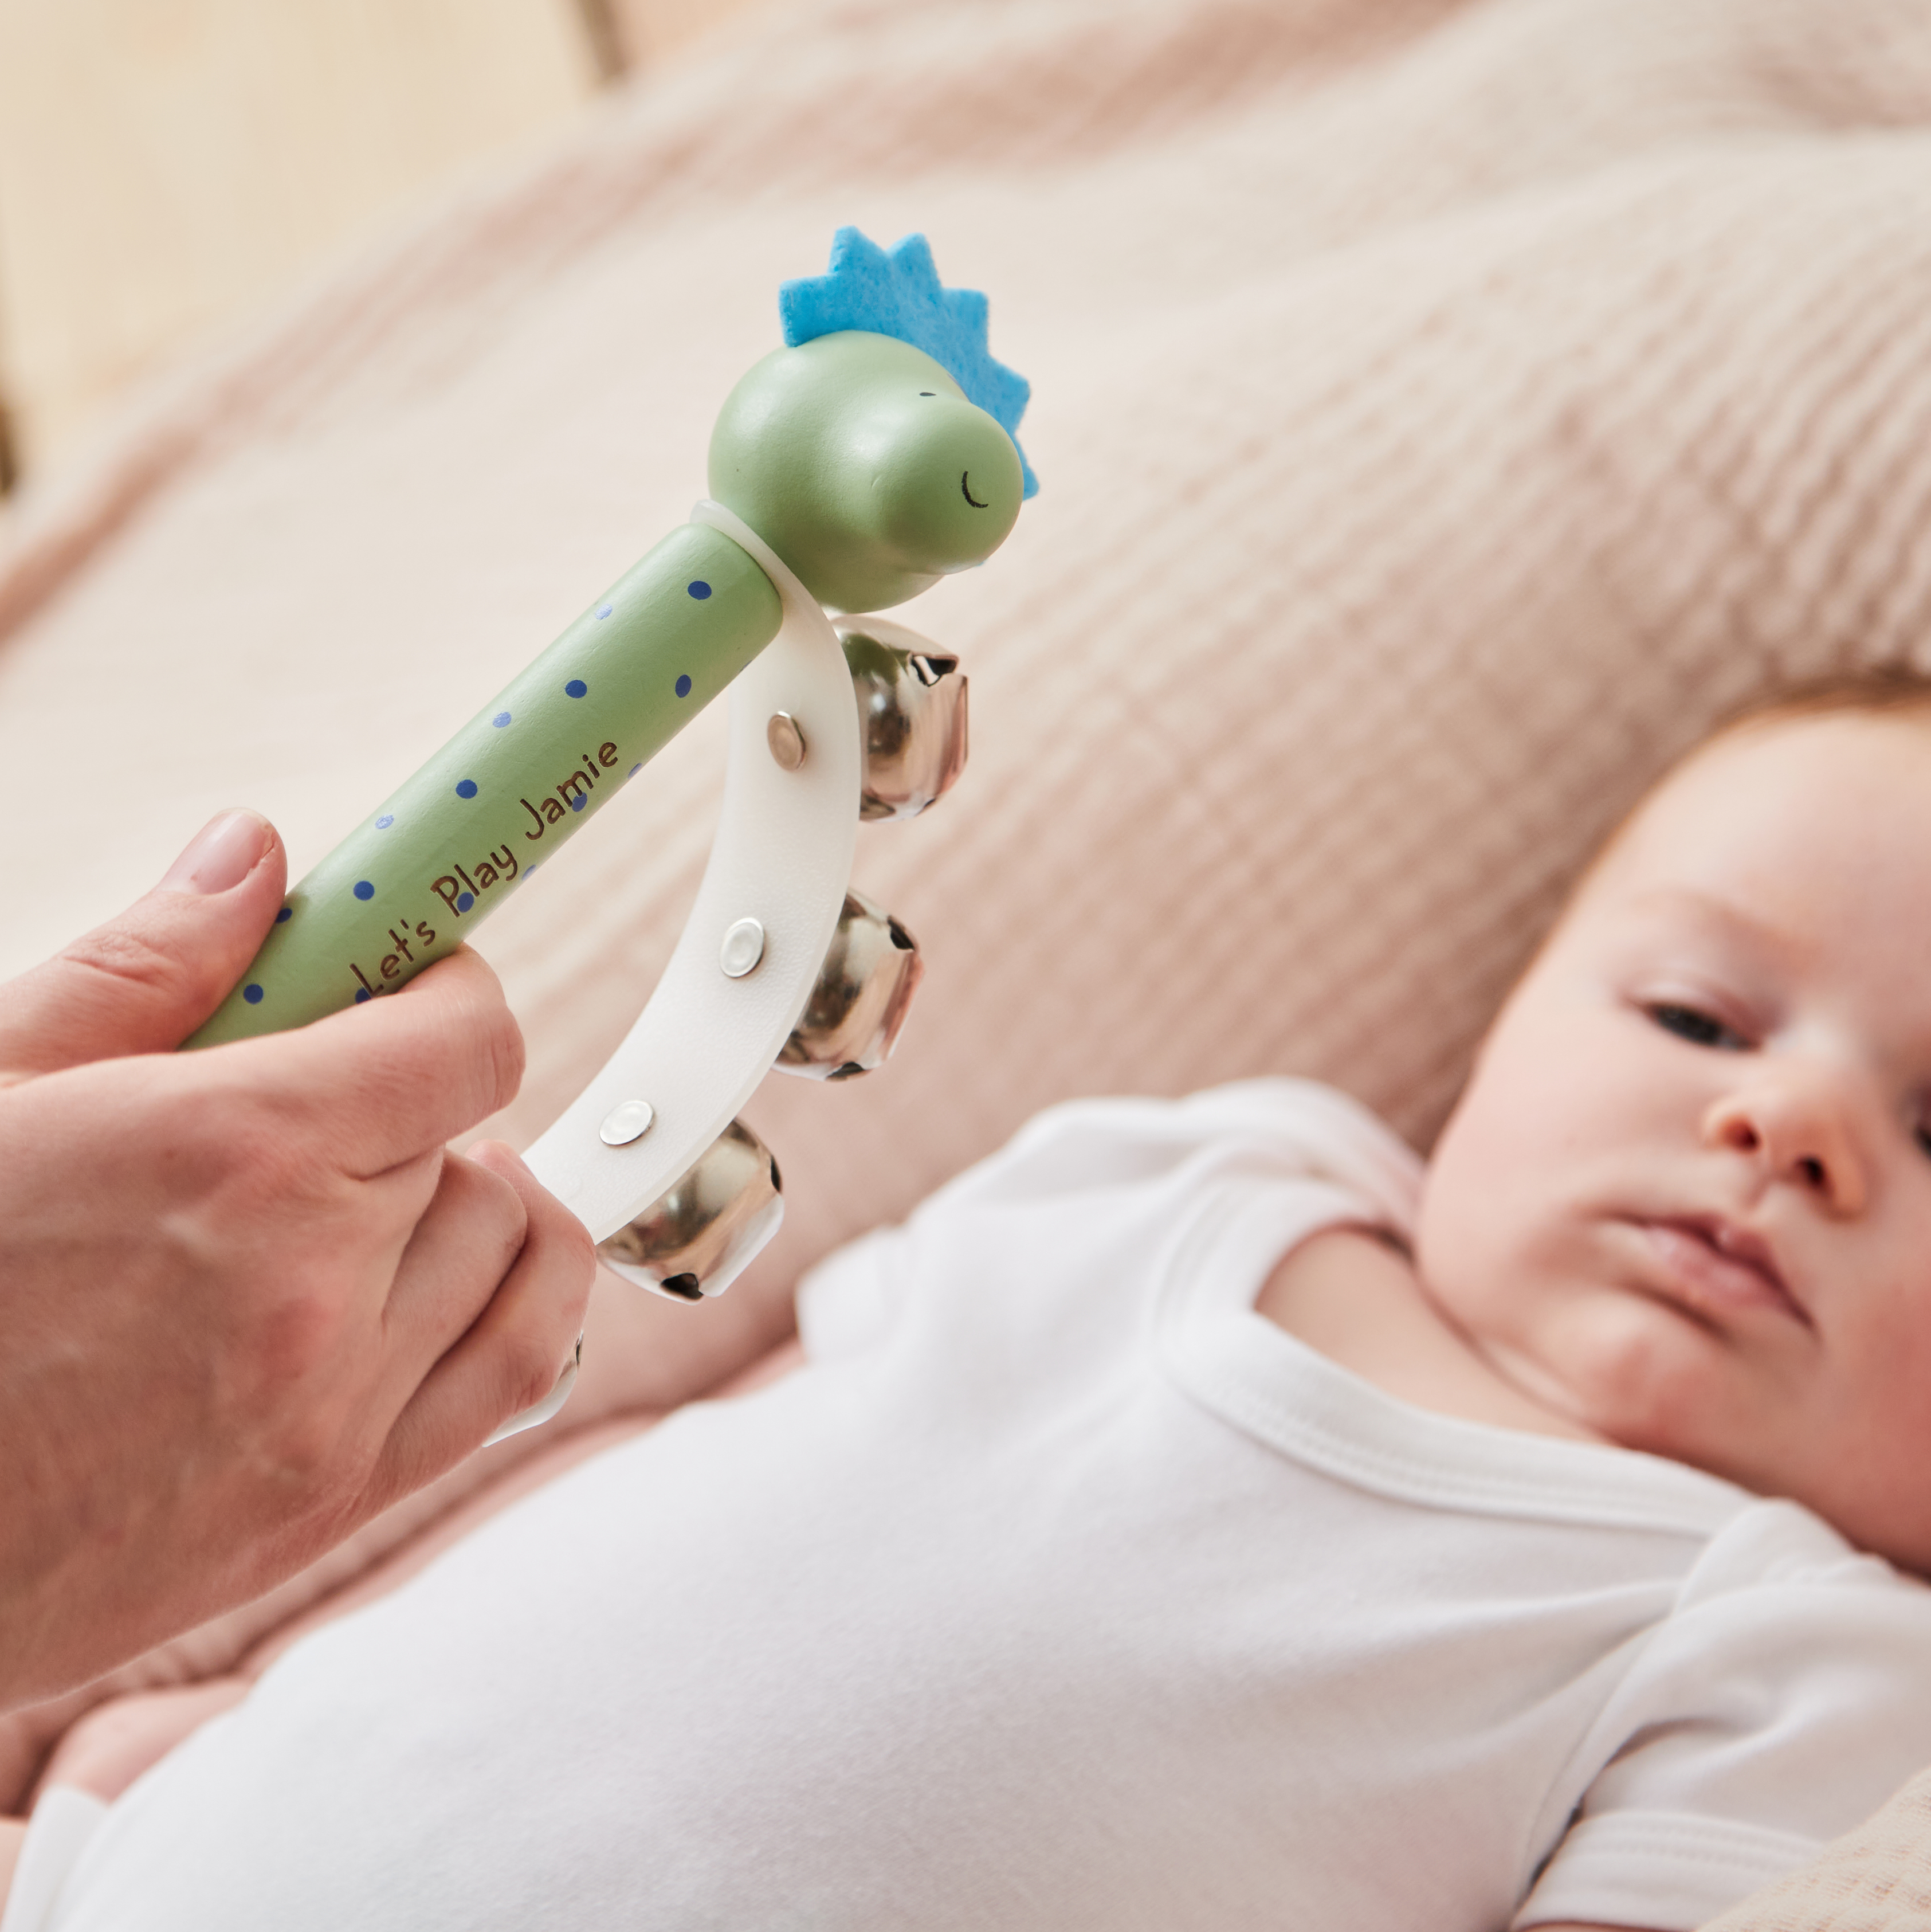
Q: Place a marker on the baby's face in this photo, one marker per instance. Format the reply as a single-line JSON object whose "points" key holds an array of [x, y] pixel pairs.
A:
{"points": [[1685, 1200]]}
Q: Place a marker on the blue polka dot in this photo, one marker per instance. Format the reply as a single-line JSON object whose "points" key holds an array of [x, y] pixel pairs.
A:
{"points": [[363, 890], [383, 823], [465, 787], [604, 610], [361, 994], [684, 684], [576, 801], [529, 870], [286, 913], [699, 590], [502, 718], [252, 994], [635, 769], [464, 900], [575, 688]]}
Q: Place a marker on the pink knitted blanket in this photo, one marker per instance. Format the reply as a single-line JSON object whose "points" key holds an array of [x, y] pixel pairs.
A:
{"points": [[1442, 411]]}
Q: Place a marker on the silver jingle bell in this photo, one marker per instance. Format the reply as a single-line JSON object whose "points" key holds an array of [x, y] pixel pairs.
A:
{"points": [[912, 716], [698, 1236], [864, 991]]}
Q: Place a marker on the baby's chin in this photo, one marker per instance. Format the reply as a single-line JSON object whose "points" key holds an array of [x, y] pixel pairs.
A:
{"points": [[1640, 1378], [1636, 1373], [1625, 1368]]}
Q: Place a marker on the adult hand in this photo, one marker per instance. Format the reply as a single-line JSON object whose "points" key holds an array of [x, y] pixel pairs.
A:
{"points": [[247, 1298]]}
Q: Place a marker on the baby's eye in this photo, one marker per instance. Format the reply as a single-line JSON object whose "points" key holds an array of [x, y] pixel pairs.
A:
{"points": [[1924, 1139], [1699, 1028]]}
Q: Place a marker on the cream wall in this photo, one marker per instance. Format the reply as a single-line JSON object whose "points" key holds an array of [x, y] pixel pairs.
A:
{"points": [[167, 165]]}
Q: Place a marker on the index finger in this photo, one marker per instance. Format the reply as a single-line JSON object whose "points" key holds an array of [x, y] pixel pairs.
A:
{"points": [[386, 1080]]}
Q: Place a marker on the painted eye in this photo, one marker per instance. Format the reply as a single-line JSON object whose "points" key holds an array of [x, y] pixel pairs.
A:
{"points": [[1700, 1029]]}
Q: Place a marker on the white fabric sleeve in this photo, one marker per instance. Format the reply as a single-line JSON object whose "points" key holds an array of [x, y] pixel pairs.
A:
{"points": [[847, 1303], [1109, 1157], [1784, 1699], [63, 1822]]}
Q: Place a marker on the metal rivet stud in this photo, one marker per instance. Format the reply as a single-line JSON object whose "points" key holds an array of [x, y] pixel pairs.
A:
{"points": [[627, 1122], [787, 741], [742, 948]]}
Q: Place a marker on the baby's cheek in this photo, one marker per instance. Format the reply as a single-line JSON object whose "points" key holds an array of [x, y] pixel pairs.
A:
{"points": [[1524, 1286], [1462, 1252], [1476, 1224], [1643, 1376]]}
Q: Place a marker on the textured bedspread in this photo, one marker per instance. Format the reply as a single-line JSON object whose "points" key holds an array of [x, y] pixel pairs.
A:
{"points": [[1442, 411]]}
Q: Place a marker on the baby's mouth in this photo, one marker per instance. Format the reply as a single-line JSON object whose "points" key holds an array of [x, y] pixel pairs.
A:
{"points": [[1715, 1269]]}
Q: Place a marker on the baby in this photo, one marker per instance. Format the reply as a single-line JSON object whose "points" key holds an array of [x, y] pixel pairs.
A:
{"points": [[1200, 1515]]}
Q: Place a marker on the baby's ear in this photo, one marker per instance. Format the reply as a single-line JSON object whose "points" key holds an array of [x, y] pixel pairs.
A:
{"points": [[145, 981]]}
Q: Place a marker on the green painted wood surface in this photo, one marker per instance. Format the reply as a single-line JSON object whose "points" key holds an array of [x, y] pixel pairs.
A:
{"points": [[423, 869]]}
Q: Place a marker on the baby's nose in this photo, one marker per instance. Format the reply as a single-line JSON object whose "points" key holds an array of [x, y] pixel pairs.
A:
{"points": [[1798, 1125]]}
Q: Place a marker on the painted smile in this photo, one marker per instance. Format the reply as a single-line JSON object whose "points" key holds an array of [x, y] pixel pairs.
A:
{"points": [[1714, 1269]]}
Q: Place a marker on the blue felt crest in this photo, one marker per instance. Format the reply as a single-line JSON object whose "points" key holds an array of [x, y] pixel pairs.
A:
{"points": [[897, 292]]}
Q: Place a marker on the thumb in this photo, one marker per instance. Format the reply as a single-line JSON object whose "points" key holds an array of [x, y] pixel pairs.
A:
{"points": [[142, 982]]}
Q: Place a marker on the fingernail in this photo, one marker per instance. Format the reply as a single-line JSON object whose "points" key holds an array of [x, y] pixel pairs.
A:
{"points": [[226, 851]]}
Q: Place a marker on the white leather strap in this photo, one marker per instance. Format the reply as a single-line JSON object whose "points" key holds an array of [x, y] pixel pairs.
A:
{"points": [[782, 856]]}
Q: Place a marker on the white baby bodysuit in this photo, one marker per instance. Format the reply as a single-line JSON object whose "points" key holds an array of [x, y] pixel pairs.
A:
{"points": [[1062, 1590]]}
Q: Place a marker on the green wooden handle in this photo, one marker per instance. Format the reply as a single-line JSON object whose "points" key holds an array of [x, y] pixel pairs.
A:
{"points": [[870, 474], [412, 882]]}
